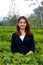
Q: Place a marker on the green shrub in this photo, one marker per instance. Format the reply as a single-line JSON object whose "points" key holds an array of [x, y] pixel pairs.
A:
{"points": [[6, 56]]}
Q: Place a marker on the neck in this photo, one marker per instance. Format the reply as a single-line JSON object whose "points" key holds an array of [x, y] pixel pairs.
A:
{"points": [[22, 31]]}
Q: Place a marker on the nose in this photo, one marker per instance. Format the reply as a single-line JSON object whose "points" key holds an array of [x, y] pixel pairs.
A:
{"points": [[22, 23]]}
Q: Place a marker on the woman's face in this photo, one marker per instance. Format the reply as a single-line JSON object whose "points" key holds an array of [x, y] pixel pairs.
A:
{"points": [[22, 24]]}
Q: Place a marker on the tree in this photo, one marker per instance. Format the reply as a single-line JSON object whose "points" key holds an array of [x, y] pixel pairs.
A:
{"points": [[33, 20], [41, 8]]}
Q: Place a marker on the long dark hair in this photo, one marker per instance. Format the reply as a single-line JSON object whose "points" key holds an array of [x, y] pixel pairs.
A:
{"points": [[27, 29]]}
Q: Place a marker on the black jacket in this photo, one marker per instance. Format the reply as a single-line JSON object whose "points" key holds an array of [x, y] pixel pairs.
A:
{"points": [[17, 45]]}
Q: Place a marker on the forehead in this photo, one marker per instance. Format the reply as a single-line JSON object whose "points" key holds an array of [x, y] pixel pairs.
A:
{"points": [[22, 20]]}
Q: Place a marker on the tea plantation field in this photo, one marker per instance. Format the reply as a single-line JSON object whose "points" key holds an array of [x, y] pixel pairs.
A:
{"points": [[7, 58]]}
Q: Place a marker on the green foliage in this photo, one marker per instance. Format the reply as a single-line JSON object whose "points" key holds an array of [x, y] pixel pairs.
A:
{"points": [[6, 56], [9, 21], [1, 23], [34, 21]]}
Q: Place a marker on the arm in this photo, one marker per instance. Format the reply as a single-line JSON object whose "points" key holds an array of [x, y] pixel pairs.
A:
{"points": [[32, 46], [12, 44]]}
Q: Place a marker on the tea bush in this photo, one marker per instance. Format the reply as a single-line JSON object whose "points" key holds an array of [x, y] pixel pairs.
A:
{"points": [[6, 56]]}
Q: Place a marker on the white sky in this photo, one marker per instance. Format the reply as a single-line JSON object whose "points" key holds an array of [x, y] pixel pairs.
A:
{"points": [[21, 5], [24, 8], [4, 7]]}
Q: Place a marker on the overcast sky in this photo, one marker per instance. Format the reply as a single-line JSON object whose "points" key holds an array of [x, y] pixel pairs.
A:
{"points": [[22, 5]]}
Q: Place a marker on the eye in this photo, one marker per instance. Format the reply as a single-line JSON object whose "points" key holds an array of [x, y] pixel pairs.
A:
{"points": [[20, 22], [24, 22]]}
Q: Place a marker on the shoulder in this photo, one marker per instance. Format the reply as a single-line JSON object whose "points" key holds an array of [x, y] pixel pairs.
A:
{"points": [[14, 34], [32, 36]]}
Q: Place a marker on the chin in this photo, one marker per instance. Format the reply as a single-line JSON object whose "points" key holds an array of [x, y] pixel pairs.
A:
{"points": [[22, 28]]}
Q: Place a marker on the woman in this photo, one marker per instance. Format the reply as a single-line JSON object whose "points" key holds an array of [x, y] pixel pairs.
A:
{"points": [[22, 40]]}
